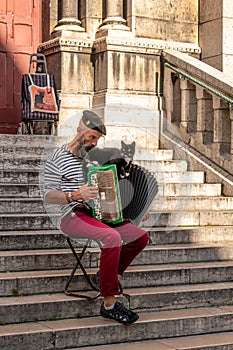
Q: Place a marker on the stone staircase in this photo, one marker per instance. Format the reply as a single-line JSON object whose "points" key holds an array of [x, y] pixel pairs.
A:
{"points": [[182, 283]]}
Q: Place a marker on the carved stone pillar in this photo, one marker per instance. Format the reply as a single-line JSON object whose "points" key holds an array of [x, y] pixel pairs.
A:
{"points": [[114, 16], [69, 20]]}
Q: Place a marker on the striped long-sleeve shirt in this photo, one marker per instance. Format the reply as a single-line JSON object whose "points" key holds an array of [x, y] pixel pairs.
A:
{"points": [[64, 172]]}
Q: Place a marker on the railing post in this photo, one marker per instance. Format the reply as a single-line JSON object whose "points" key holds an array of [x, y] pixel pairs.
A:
{"points": [[222, 125], [205, 116], [188, 106], [168, 95]]}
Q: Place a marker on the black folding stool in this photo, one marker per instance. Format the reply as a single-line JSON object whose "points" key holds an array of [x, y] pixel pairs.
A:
{"points": [[79, 265]]}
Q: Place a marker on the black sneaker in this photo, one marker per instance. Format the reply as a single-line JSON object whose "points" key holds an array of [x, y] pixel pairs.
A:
{"points": [[119, 313]]}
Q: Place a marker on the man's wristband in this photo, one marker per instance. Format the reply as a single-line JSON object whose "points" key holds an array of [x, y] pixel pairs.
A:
{"points": [[68, 196]]}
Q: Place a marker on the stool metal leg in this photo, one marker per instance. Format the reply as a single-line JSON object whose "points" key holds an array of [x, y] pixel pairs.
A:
{"points": [[80, 265]]}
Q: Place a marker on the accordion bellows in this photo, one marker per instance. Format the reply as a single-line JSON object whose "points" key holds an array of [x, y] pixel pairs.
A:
{"points": [[137, 193], [127, 198]]}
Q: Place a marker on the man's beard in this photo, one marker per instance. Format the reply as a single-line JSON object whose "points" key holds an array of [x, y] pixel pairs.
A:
{"points": [[81, 150]]}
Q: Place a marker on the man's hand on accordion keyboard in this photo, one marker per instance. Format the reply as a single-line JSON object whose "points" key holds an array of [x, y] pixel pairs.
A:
{"points": [[87, 192]]}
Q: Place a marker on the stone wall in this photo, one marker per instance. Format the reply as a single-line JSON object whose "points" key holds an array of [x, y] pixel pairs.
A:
{"points": [[169, 20], [216, 31]]}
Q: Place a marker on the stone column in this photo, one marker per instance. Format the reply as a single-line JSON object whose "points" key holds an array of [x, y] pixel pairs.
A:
{"points": [[222, 125], [188, 118], [205, 116], [91, 16], [69, 20], [114, 16]]}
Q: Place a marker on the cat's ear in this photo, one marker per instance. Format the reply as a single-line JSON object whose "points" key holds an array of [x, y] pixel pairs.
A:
{"points": [[133, 144], [123, 143]]}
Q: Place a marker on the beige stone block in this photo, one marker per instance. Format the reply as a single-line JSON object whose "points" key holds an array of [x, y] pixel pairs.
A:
{"points": [[228, 8], [227, 66], [176, 21], [133, 72], [78, 72], [182, 10], [101, 71], [128, 134], [210, 10], [169, 31], [141, 126], [211, 38], [70, 112], [118, 99], [227, 35], [215, 61]]}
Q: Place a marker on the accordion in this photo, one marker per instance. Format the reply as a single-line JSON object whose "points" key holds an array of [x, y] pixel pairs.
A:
{"points": [[120, 199]]}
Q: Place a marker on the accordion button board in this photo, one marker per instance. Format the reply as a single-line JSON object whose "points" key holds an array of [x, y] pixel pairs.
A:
{"points": [[107, 206]]}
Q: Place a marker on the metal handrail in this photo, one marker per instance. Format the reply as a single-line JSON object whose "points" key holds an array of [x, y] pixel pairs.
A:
{"points": [[183, 75]]}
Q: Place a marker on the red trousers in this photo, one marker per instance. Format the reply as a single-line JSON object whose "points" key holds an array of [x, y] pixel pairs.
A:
{"points": [[120, 245]]}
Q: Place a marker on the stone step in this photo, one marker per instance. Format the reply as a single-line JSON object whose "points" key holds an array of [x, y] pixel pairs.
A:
{"points": [[21, 205], [53, 281], [22, 163], [30, 140], [60, 306], [37, 163], [24, 150], [54, 239], [26, 222], [189, 218], [35, 151], [191, 234], [37, 239], [43, 259], [93, 331], [42, 221], [16, 176], [36, 205], [21, 151], [25, 176], [189, 190], [192, 203], [155, 155], [164, 166], [179, 177], [36, 144], [19, 191], [164, 190], [213, 341]]}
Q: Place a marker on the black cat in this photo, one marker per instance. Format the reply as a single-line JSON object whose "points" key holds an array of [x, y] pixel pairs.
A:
{"points": [[122, 157]]}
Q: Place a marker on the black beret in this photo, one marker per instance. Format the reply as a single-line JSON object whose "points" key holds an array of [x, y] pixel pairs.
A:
{"points": [[93, 121]]}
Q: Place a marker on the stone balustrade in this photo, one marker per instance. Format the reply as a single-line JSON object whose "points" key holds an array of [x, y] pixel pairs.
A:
{"points": [[199, 105]]}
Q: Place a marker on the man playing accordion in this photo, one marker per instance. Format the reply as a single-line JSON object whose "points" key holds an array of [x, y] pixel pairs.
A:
{"points": [[65, 185]]}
